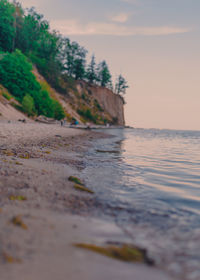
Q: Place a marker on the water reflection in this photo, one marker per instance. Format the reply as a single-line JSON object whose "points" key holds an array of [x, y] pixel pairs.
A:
{"points": [[151, 188], [167, 161]]}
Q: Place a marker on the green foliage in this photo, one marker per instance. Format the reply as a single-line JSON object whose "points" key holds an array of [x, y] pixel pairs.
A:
{"points": [[28, 106], [121, 85], [59, 113], [43, 103], [104, 76], [87, 114], [53, 54], [91, 74], [98, 106], [7, 96], [74, 57], [16, 75], [7, 29], [25, 37]]}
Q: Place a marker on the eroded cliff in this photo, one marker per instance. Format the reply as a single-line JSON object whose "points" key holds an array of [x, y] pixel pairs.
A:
{"points": [[110, 105], [81, 101]]}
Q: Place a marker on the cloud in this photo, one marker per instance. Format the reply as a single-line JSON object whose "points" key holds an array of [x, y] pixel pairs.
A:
{"points": [[121, 18], [74, 27]]}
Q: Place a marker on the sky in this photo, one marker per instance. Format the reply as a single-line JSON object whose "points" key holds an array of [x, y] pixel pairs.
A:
{"points": [[154, 44]]}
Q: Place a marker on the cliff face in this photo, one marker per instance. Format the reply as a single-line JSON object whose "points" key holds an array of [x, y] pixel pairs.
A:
{"points": [[110, 105], [110, 102], [84, 102]]}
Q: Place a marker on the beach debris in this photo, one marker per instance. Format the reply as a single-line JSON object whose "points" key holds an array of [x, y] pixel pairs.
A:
{"points": [[25, 155], [18, 197], [110, 152], [82, 188], [9, 259], [43, 119], [123, 252], [47, 152], [75, 180], [17, 221], [8, 153], [18, 163], [79, 185]]}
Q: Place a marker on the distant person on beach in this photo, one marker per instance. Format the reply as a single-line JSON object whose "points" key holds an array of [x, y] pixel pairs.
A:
{"points": [[74, 122]]}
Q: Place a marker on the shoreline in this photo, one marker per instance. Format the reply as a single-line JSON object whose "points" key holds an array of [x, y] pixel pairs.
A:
{"points": [[40, 209]]}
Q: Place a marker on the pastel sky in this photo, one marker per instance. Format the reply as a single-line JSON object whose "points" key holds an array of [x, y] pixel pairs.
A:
{"points": [[155, 44]]}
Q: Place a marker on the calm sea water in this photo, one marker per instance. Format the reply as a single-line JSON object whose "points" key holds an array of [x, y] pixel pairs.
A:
{"points": [[149, 181]]}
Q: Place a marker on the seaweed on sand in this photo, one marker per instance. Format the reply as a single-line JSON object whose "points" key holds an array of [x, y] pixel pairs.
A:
{"points": [[75, 180], [82, 188], [17, 221], [124, 252], [10, 259], [79, 185], [18, 197]]}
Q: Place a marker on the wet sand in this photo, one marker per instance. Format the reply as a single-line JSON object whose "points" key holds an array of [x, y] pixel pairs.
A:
{"points": [[42, 215]]}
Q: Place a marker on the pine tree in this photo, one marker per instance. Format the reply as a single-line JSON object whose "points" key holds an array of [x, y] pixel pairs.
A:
{"points": [[104, 76], [91, 74], [121, 85]]}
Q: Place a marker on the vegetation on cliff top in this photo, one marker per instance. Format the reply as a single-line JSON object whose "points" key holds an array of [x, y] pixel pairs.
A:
{"points": [[26, 38]]}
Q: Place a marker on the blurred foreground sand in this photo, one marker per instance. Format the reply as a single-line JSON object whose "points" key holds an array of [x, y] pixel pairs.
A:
{"points": [[35, 163]]}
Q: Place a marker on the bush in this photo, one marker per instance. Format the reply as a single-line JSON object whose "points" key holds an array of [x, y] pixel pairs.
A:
{"points": [[43, 103], [7, 96], [98, 106], [87, 114], [16, 75], [59, 113], [28, 105]]}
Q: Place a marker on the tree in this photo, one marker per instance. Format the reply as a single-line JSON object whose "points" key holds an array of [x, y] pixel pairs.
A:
{"points": [[7, 29], [91, 74], [104, 76], [121, 85], [31, 31], [18, 16], [74, 58]]}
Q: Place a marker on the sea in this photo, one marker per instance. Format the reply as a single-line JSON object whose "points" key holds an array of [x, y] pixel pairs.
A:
{"points": [[148, 183]]}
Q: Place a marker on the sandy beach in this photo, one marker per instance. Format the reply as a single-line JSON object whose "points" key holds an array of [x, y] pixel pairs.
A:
{"points": [[42, 215]]}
